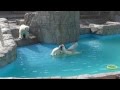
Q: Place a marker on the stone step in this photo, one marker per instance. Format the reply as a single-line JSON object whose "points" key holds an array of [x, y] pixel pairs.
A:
{"points": [[89, 16], [24, 42]]}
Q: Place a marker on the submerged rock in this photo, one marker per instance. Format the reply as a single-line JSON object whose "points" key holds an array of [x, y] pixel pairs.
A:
{"points": [[54, 26]]}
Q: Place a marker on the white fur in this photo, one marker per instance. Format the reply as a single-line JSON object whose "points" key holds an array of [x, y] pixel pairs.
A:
{"points": [[70, 51], [56, 51], [24, 29], [73, 47]]}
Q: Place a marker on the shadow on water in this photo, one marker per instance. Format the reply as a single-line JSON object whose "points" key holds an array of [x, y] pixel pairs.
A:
{"points": [[33, 47], [50, 46]]}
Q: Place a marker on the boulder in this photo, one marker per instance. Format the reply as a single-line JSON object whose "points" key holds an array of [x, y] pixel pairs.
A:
{"points": [[84, 29], [28, 17], [54, 26], [106, 29], [98, 29], [112, 23], [9, 43], [20, 21], [8, 48], [3, 20], [5, 30], [7, 36], [4, 25]]}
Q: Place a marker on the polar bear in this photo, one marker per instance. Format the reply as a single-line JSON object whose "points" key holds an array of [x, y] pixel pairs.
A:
{"points": [[71, 50], [23, 31], [56, 51], [62, 50]]}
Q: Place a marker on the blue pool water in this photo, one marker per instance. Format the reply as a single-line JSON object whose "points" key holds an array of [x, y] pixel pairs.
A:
{"points": [[96, 53]]}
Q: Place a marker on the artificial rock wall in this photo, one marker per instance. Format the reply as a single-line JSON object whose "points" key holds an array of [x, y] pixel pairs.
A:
{"points": [[54, 26], [8, 51]]}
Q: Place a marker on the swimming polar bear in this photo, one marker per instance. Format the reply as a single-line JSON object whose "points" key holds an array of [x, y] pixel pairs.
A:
{"points": [[23, 31], [73, 47], [56, 51], [71, 50], [62, 50]]}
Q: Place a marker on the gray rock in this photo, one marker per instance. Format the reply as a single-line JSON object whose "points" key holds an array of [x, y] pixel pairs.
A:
{"points": [[96, 28], [4, 25], [3, 20], [85, 29], [28, 17], [23, 42], [106, 29], [7, 36], [3, 51], [54, 26], [1, 39], [5, 30], [14, 30], [13, 26], [1, 55], [117, 18], [112, 23], [2, 60], [8, 50], [15, 33], [9, 43], [19, 21]]}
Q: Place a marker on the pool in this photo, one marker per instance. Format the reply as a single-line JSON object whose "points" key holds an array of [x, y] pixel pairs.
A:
{"points": [[96, 53]]}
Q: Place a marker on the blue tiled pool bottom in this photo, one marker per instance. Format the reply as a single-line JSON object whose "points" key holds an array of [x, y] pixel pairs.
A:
{"points": [[96, 53]]}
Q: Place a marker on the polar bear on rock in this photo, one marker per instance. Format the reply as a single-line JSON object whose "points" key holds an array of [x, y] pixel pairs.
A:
{"points": [[23, 31]]}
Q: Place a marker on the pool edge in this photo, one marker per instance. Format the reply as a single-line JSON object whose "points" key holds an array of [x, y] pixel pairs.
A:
{"points": [[109, 75]]}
